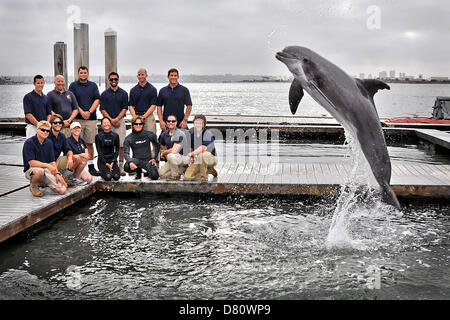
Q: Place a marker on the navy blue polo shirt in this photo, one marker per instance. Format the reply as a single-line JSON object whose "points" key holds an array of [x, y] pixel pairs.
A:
{"points": [[174, 100], [37, 105], [62, 103], [76, 146], [178, 137], [207, 139], [86, 94], [142, 98], [114, 101], [33, 150], [59, 144]]}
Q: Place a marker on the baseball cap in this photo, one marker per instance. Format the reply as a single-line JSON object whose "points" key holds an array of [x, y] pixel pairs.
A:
{"points": [[75, 124]]}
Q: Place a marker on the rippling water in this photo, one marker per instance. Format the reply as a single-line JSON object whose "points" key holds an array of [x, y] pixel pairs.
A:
{"points": [[263, 99], [158, 247]]}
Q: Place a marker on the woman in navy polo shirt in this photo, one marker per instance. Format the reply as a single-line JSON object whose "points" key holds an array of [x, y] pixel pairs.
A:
{"points": [[79, 148]]}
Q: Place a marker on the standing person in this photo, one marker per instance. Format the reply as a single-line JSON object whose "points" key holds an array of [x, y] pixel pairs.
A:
{"points": [[88, 98], [143, 97], [173, 98], [39, 162], [79, 148], [140, 140], [114, 105], [173, 143], [203, 152], [108, 146], [64, 103], [36, 106]]}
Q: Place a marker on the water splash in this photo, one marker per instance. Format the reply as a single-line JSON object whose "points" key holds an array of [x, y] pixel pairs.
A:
{"points": [[358, 206]]}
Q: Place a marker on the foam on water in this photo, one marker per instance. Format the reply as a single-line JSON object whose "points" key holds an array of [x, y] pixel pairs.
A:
{"points": [[358, 202]]}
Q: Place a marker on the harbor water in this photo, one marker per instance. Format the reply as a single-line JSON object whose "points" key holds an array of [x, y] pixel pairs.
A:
{"points": [[151, 246]]}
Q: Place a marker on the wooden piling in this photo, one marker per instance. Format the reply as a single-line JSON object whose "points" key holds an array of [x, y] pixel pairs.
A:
{"points": [[81, 46], [110, 53], [60, 60]]}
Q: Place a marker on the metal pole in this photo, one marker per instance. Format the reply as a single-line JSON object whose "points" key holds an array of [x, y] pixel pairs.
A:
{"points": [[81, 46], [60, 60], [110, 54]]}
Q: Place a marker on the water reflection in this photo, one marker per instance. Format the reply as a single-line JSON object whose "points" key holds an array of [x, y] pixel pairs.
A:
{"points": [[156, 247]]}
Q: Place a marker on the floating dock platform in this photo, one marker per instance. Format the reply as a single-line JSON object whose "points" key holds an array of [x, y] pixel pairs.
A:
{"points": [[20, 211]]}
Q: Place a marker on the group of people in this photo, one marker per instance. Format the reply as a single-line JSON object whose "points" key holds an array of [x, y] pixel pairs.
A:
{"points": [[62, 130]]}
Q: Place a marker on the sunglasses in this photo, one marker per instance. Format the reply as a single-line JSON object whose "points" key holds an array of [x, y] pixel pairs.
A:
{"points": [[114, 79], [44, 130], [138, 124], [171, 121], [57, 122]]}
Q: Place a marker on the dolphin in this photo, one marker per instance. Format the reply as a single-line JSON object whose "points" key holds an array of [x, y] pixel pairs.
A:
{"points": [[349, 100]]}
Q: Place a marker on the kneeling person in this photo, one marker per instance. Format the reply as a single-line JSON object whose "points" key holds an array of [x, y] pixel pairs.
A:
{"points": [[39, 162], [80, 152], [173, 141], [107, 143], [203, 152], [140, 140]]}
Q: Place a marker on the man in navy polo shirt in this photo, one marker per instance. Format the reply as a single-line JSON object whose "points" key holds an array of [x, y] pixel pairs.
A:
{"points": [[39, 162], [36, 106], [64, 103], [143, 97], [173, 98], [88, 98], [114, 105]]}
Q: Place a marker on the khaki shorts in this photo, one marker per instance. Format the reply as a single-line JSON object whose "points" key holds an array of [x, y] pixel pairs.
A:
{"points": [[121, 131], [61, 163], [150, 124], [88, 130], [49, 179], [66, 132]]}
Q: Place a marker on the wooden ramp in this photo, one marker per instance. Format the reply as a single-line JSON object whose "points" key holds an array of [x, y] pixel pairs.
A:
{"points": [[19, 210]]}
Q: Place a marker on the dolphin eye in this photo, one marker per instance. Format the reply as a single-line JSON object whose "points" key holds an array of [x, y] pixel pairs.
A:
{"points": [[305, 60]]}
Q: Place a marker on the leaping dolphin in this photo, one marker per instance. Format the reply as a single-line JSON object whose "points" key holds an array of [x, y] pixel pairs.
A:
{"points": [[349, 100]]}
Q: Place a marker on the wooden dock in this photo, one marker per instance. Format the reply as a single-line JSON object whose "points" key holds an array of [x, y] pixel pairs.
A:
{"points": [[19, 210]]}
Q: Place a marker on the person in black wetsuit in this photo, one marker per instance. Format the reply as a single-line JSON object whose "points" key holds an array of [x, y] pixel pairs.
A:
{"points": [[140, 140], [108, 146]]}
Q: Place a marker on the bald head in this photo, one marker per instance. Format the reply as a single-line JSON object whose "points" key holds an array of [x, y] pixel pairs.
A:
{"points": [[59, 82]]}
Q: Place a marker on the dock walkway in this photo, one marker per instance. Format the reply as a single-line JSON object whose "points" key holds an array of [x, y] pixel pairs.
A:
{"points": [[19, 210]]}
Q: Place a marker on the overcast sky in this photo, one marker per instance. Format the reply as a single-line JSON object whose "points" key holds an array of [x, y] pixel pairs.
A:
{"points": [[232, 36]]}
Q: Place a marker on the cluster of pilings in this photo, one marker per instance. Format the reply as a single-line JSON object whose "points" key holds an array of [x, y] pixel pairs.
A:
{"points": [[81, 52]]}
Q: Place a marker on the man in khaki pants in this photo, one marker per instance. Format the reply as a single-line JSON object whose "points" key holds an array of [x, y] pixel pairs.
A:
{"points": [[143, 100], [203, 156]]}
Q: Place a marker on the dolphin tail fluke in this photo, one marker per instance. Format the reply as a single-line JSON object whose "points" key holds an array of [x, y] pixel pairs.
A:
{"points": [[388, 196]]}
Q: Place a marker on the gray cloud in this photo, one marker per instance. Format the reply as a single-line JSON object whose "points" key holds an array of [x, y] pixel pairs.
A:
{"points": [[214, 37]]}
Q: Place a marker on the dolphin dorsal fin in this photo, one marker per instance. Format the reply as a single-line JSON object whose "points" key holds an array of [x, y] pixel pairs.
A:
{"points": [[372, 86], [295, 95]]}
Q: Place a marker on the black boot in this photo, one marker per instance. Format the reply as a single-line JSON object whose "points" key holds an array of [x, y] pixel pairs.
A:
{"points": [[138, 174], [93, 171]]}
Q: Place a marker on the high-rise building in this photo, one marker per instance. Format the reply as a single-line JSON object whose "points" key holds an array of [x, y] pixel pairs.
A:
{"points": [[361, 75], [369, 76], [382, 75], [392, 74]]}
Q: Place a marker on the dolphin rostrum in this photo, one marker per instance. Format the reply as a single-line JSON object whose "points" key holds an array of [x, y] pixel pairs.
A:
{"points": [[349, 100]]}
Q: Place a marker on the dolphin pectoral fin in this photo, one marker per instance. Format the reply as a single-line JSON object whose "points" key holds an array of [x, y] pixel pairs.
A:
{"points": [[295, 95], [371, 86]]}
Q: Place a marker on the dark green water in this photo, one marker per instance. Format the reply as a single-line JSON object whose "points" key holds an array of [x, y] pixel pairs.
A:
{"points": [[159, 247]]}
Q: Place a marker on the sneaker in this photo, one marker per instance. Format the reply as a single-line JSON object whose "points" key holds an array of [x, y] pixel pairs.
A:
{"points": [[93, 171], [213, 172], [35, 190], [79, 182], [132, 173]]}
